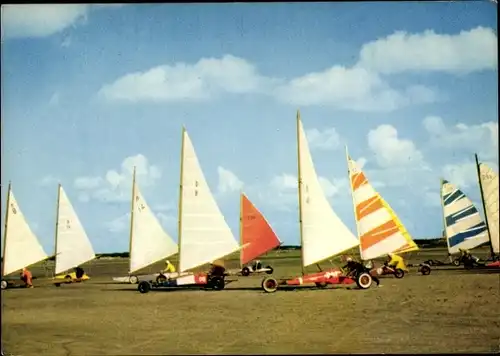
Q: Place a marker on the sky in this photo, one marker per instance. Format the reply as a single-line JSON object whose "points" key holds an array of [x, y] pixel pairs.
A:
{"points": [[89, 91]]}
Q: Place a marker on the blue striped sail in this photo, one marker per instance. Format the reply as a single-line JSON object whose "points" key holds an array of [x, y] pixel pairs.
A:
{"points": [[465, 229]]}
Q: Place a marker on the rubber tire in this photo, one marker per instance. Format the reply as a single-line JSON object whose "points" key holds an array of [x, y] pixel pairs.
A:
{"points": [[134, 280], [4, 285], [68, 279], [271, 270], [456, 262], [399, 273], [321, 285], [217, 283], [362, 276], [245, 271], [468, 265], [144, 287], [161, 279], [425, 270], [269, 284]]}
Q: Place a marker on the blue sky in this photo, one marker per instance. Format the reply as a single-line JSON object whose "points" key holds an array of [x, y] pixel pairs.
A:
{"points": [[90, 91]]}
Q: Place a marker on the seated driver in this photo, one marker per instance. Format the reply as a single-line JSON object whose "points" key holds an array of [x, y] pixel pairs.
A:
{"points": [[396, 261], [258, 265], [354, 268], [27, 278], [169, 267], [79, 272], [217, 269]]}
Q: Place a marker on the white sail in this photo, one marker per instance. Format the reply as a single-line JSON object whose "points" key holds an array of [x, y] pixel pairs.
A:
{"points": [[465, 229], [489, 184], [73, 246], [22, 247], [323, 233], [204, 235], [149, 241]]}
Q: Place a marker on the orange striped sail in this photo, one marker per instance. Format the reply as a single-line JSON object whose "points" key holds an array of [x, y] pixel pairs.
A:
{"points": [[380, 230], [257, 236]]}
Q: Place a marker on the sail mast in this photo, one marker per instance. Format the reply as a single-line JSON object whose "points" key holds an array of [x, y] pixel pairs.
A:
{"points": [[299, 181], [484, 205], [353, 202], [444, 218], [241, 228], [5, 229], [132, 208], [57, 225], [180, 199]]}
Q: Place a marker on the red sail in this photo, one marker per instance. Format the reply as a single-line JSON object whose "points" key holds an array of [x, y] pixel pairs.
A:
{"points": [[257, 236]]}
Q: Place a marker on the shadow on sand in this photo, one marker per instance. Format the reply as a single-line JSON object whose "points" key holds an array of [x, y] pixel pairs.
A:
{"points": [[238, 289]]}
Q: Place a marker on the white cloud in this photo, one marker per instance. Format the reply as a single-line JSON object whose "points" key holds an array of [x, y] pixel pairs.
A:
{"points": [[434, 125], [169, 222], [116, 185], [327, 139], [464, 174], [431, 197], [333, 187], [361, 161], [119, 224], [390, 150], [181, 81], [122, 223], [355, 89], [284, 181], [469, 139], [228, 181], [49, 180], [282, 191], [85, 183], [465, 52], [345, 88], [164, 207], [42, 20]]}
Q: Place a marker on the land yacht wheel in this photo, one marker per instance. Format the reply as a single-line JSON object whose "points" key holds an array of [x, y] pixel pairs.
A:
{"points": [[269, 284], [133, 279], [144, 287], [321, 285], [4, 284], [217, 283], [245, 271], [399, 273], [364, 280], [425, 270]]}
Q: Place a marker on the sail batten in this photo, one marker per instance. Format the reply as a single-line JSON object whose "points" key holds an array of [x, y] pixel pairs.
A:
{"points": [[464, 227], [73, 245], [379, 228], [489, 187], [323, 233], [257, 235], [150, 242], [204, 234], [22, 248]]}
